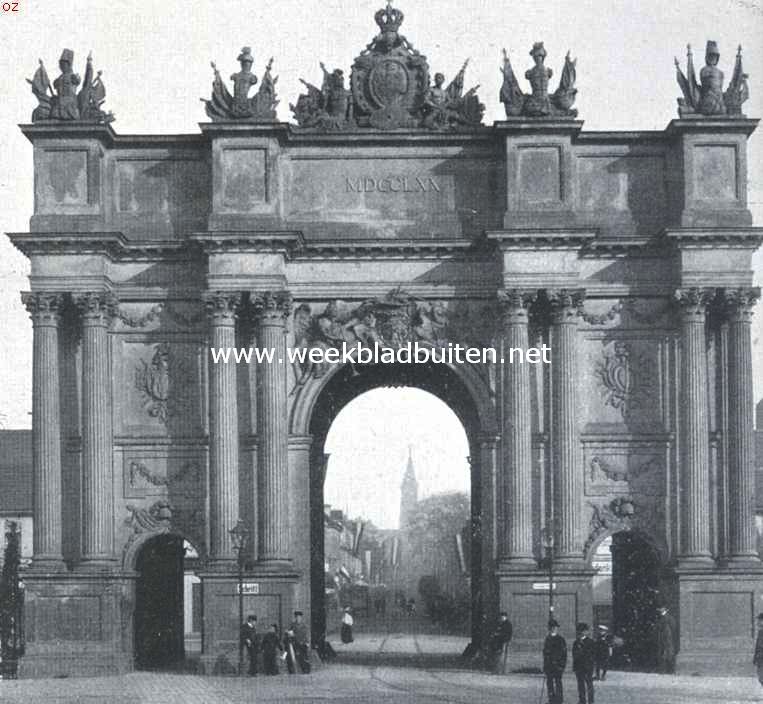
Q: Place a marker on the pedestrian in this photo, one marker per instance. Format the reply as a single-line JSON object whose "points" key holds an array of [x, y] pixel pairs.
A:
{"points": [[271, 649], [347, 623], [583, 662], [250, 641], [299, 642], [666, 641], [499, 643], [554, 662], [758, 657], [603, 652]]}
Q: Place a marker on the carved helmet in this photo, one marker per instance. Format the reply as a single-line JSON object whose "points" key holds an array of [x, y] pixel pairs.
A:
{"points": [[712, 49], [67, 55], [538, 49], [246, 54]]}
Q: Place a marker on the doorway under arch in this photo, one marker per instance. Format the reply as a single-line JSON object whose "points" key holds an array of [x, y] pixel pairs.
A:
{"points": [[158, 635], [346, 384]]}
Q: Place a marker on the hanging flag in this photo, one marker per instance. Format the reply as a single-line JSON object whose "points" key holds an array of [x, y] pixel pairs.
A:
{"points": [[359, 526], [368, 565], [395, 551], [345, 573], [460, 553]]}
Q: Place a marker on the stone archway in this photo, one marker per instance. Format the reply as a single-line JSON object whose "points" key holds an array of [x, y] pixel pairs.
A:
{"points": [[465, 393]]}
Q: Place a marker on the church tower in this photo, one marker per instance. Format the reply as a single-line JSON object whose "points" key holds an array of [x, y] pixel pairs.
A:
{"points": [[409, 492]]}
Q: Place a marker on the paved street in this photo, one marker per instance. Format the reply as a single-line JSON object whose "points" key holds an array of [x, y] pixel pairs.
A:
{"points": [[388, 668]]}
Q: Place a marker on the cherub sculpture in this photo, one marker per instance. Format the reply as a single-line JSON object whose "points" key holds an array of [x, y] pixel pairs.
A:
{"points": [[329, 107], [539, 103], [449, 107], [61, 100], [707, 97], [261, 107]]}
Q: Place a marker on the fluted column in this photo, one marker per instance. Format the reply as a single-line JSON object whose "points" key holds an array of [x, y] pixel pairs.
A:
{"points": [[270, 314], [97, 310], [695, 449], [44, 309], [516, 546], [567, 473], [221, 309], [738, 305]]}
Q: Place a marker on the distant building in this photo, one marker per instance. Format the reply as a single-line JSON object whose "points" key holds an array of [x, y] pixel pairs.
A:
{"points": [[759, 473], [16, 486]]}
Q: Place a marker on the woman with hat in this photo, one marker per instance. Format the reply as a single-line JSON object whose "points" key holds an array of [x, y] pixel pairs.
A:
{"points": [[347, 624]]}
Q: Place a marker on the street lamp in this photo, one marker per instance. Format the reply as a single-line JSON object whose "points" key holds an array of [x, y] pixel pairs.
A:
{"points": [[547, 536], [239, 535]]}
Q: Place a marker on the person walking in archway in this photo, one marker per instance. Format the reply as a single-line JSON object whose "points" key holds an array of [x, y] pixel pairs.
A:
{"points": [[347, 624], [554, 662], [666, 641], [583, 662]]}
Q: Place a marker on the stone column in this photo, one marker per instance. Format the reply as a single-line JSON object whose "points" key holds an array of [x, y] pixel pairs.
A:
{"points": [[97, 310], [567, 474], [516, 545], [46, 431], [221, 309], [695, 449], [741, 480], [270, 313]]}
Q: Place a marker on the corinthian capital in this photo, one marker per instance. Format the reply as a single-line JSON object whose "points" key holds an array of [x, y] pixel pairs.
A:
{"points": [[738, 303], [694, 301], [566, 303], [44, 308], [97, 307], [514, 303], [221, 306], [271, 308]]}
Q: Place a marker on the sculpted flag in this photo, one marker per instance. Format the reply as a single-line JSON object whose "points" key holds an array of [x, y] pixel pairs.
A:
{"points": [[460, 552], [395, 551], [359, 525]]}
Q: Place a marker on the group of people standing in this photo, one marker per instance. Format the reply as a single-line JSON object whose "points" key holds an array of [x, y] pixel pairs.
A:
{"points": [[293, 648]]}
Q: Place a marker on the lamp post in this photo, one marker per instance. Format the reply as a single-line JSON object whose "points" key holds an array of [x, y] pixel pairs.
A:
{"points": [[547, 535], [239, 535]]}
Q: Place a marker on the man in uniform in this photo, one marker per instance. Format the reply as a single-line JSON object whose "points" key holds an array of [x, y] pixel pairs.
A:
{"points": [[300, 642], [250, 641], [603, 652], [271, 647], [554, 662], [583, 662]]}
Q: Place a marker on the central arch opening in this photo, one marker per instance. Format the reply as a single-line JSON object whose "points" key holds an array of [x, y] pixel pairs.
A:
{"points": [[395, 509]]}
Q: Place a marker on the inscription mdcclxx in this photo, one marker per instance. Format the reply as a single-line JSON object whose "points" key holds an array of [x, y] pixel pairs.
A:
{"points": [[391, 184]]}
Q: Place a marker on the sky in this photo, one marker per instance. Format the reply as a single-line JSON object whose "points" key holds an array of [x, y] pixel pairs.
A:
{"points": [[368, 446], [155, 61]]}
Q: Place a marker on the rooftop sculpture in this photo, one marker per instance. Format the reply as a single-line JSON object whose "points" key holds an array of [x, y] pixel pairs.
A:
{"points": [[389, 88], [539, 103], [261, 107], [707, 98], [61, 101]]}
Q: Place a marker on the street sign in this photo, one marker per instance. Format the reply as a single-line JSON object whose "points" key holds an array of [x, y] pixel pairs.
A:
{"points": [[542, 586], [248, 588]]}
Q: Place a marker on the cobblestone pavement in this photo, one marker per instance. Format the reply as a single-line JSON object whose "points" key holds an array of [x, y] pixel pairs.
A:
{"points": [[390, 668]]}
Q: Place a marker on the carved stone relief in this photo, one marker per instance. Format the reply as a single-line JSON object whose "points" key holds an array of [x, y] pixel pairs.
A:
{"points": [[163, 476], [628, 381], [164, 383]]}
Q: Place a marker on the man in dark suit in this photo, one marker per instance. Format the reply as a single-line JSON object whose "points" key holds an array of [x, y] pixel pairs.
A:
{"points": [[554, 662], [499, 642], [583, 662], [271, 647], [250, 641], [300, 642]]}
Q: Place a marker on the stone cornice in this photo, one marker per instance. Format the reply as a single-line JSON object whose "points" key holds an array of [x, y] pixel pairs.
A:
{"points": [[566, 238], [711, 238], [392, 249], [704, 125], [524, 125], [111, 244], [285, 242]]}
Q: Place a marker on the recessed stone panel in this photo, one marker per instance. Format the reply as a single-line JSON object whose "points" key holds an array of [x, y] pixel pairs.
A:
{"points": [[720, 615], [540, 180], [715, 172], [74, 618], [63, 179], [245, 178]]}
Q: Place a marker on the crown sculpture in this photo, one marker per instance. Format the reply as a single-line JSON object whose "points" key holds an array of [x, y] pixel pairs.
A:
{"points": [[708, 98], [61, 101], [539, 103], [261, 107], [389, 89]]}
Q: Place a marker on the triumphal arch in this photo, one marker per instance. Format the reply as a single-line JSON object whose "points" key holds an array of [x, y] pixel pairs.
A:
{"points": [[387, 213]]}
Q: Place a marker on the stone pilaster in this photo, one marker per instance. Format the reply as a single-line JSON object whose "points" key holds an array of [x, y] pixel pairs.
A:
{"points": [[516, 544], [271, 311], [695, 442], [97, 311], [221, 309], [738, 304], [44, 309], [567, 478]]}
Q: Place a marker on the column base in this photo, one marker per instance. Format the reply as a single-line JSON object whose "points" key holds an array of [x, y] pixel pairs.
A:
{"points": [[48, 564], [573, 563], [97, 565], [692, 562], [524, 563], [273, 565], [744, 561], [222, 565]]}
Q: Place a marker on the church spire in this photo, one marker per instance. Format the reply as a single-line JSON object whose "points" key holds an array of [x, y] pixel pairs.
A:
{"points": [[409, 491]]}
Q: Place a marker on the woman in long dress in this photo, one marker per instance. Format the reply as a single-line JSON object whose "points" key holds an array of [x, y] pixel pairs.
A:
{"points": [[347, 623]]}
